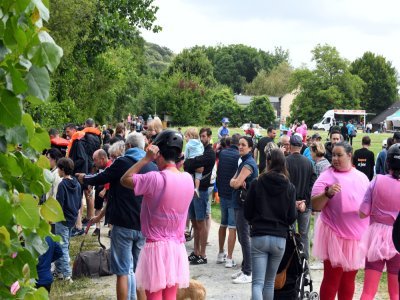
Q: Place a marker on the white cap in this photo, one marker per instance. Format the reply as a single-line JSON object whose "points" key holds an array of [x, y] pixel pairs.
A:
{"points": [[384, 143]]}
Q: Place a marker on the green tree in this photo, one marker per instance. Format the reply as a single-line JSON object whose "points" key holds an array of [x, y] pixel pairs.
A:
{"points": [[224, 105], [380, 77], [329, 86], [193, 63], [260, 111], [275, 83], [27, 55]]}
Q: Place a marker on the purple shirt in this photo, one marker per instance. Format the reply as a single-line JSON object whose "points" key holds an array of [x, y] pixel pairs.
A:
{"points": [[166, 199]]}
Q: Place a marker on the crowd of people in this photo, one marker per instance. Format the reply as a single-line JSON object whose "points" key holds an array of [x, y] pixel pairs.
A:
{"points": [[264, 189]]}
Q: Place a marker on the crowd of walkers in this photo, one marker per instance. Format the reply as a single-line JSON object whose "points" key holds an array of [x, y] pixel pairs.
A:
{"points": [[264, 189]]}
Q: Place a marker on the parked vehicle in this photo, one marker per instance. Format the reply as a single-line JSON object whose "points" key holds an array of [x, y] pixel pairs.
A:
{"points": [[338, 116]]}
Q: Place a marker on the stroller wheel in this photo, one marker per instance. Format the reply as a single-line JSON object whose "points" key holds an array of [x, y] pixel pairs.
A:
{"points": [[313, 296]]}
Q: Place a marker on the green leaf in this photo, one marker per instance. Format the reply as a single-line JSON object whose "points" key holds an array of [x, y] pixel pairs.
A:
{"points": [[40, 140], [43, 162], [44, 11], [26, 212], [34, 100], [22, 4], [10, 109], [46, 54], [4, 236], [5, 211], [51, 211], [44, 228], [16, 135], [38, 82], [13, 166], [29, 124], [40, 294], [36, 187], [18, 84]]}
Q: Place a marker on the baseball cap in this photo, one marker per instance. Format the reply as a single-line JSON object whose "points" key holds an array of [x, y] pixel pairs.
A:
{"points": [[396, 136], [296, 141], [316, 136], [384, 143]]}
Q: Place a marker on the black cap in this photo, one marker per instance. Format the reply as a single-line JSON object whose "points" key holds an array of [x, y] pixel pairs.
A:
{"points": [[167, 139], [393, 157], [296, 141], [316, 136]]}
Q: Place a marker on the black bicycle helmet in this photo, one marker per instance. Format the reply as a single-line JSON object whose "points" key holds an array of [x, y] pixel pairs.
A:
{"points": [[393, 157], [169, 139]]}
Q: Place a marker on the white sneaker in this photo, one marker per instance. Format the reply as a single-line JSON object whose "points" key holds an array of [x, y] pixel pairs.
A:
{"points": [[221, 258], [68, 279], [236, 275], [243, 278], [230, 263]]}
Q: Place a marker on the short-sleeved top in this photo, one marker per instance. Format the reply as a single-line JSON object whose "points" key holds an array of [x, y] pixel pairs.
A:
{"points": [[341, 212], [166, 199], [383, 207], [364, 161]]}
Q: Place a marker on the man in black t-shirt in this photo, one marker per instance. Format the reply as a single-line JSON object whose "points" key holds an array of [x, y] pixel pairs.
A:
{"points": [[271, 134], [364, 159]]}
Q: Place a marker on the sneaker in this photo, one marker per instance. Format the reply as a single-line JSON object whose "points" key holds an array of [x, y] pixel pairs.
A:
{"points": [[76, 231], [192, 257], [243, 278], [221, 258], [199, 261], [68, 279], [96, 232], [236, 275], [230, 263]]}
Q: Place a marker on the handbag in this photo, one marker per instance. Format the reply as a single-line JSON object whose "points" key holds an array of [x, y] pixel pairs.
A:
{"points": [[280, 278], [92, 263], [241, 196]]}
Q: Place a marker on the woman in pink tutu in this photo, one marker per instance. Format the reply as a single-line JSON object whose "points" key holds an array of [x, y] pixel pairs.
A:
{"points": [[162, 266], [338, 193], [382, 204]]}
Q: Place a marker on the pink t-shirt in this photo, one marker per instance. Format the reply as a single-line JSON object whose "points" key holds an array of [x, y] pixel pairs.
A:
{"points": [[166, 199], [381, 205], [341, 212]]}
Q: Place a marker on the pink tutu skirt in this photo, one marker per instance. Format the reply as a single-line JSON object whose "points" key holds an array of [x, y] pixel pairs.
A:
{"points": [[377, 243], [162, 264], [340, 252]]}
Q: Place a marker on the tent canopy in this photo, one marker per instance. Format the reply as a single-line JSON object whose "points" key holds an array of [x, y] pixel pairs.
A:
{"points": [[394, 117]]}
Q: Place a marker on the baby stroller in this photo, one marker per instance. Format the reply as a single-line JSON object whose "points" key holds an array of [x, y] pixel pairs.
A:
{"points": [[298, 284]]}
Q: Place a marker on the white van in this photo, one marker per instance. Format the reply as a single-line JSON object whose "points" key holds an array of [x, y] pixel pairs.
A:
{"points": [[338, 116]]}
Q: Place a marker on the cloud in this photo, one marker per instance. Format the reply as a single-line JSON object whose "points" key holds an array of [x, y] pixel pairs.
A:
{"points": [[352, 26]]}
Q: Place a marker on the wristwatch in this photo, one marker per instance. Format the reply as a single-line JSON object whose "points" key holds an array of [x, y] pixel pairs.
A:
{"points": [[327, 193]]}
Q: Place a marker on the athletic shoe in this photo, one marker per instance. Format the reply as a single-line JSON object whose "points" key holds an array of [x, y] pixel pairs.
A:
{"points": [[68, 279], [221, 258], [243, 278], [76, 231], [236, 275], [192, 257], [230, 263], [199, 261]]}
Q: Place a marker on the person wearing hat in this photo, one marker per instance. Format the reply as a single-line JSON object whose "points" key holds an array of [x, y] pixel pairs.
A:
{"points": [[163, 266], [314, 138], [396, 137], [377, 244], [302, 176], [223, 131]]}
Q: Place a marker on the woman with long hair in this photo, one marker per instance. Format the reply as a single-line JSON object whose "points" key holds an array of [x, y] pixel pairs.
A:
{"points": [[377, 244], [338, 193], [246, 173], [270, 208]]}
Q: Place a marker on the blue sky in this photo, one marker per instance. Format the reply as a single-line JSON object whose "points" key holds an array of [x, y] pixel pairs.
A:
{"points": [[352, 26]]}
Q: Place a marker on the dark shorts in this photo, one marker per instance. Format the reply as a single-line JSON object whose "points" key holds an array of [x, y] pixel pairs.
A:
{"points": [[198, 206]]}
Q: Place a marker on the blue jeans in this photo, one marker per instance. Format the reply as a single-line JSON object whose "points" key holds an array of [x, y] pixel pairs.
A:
{"points": [[228, 213], [125, 248], [303, 223], [198, 206], [62, 264], [266, 253]]}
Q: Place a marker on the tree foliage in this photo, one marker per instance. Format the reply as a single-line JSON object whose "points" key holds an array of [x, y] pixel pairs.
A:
{"points": [[260, 111], [329, 86], [27, 55], [275, 83], [223, 104], [380, 79]]}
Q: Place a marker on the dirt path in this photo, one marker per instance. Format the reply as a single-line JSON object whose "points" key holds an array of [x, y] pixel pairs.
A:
{"points": [[215, 277]]}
